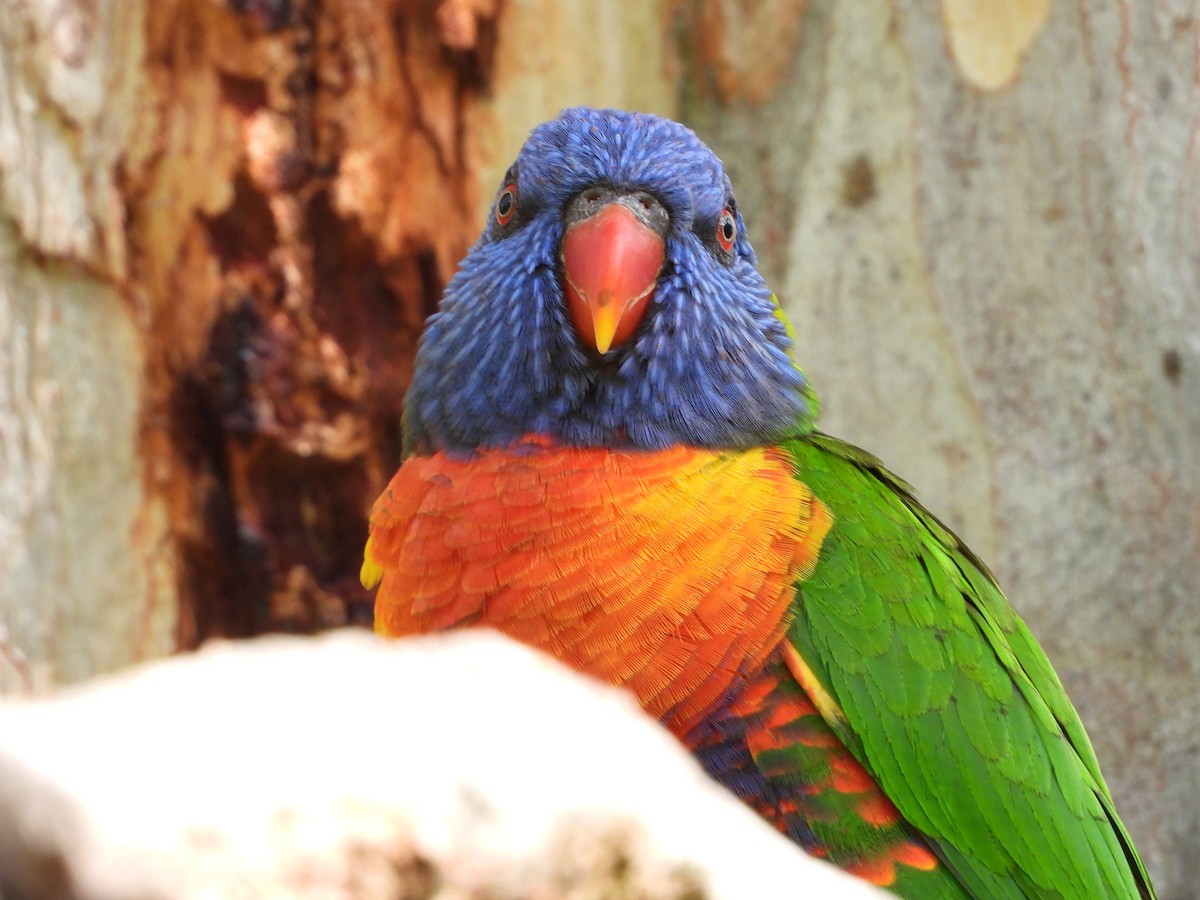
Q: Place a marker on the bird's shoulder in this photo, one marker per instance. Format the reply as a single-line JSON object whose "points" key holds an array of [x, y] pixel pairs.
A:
{"points": [[945, 696]]}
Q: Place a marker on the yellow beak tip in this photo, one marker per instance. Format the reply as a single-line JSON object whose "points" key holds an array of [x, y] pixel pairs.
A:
{"points": [[604, 325]]}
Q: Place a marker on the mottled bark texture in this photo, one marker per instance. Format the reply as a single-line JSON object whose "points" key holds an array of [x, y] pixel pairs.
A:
{"points": [[985, 221], [74, 598], [285, 288], [224, 224]]}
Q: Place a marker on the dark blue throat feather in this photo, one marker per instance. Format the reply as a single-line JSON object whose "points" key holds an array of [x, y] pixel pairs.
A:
{"points": [[708, 366]]}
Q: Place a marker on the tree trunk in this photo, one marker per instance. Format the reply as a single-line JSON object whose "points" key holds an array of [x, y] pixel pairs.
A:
{"points": [[224, 222], [228, 223], [86, 581]]}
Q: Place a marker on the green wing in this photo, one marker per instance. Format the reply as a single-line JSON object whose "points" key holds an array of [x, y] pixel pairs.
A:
{"points": [[948, 701]]}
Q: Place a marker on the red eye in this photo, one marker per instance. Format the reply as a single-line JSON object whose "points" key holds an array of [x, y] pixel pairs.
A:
{"points": [[506, 204], [727, 230]]}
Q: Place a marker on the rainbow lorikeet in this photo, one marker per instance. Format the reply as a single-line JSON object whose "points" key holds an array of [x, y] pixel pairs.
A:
{"points": [[610, 455]]}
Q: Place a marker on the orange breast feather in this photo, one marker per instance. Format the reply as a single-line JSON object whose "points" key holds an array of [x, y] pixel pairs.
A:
{"points": [[670, 573]]}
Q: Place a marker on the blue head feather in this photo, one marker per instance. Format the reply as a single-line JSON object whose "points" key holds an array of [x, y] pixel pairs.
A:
{"points": [[709, 366]]}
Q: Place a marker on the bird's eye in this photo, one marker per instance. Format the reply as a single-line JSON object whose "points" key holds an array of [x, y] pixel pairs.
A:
{"points": [[727, 230], [506, 204]]}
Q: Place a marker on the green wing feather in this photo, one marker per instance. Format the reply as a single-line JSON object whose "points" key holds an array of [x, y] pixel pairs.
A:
{"points": [[948, 700]]}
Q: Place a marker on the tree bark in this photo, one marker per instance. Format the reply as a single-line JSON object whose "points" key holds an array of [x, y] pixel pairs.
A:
{"points": [[226, 223], [74, 597]]}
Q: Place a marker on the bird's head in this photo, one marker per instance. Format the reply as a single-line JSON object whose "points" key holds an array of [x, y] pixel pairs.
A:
{"points": [[613, 300]]}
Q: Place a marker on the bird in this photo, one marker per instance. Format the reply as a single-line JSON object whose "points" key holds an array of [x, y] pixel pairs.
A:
{"points": [[610, 454]]}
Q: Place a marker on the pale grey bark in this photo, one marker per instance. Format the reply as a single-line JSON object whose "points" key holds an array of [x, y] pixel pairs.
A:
{"points": [[80, 589], [76, 597], [557, 54], [997, 289]]}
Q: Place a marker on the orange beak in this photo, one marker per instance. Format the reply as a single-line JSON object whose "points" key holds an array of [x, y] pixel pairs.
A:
{"points": [[611, 260]]}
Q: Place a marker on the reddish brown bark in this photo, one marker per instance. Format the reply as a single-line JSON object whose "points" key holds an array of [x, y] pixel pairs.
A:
{"points": [[314, 156]]}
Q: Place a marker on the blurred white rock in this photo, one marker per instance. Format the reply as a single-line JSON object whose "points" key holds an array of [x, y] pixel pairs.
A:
{"points": [[346, 766]]}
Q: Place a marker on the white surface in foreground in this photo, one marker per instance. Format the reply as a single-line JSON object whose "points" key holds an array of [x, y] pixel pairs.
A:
{"points": [[346, 766]]}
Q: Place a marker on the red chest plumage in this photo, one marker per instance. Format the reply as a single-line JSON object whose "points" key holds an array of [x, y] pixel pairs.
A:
{"points": [[670, 573]]}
